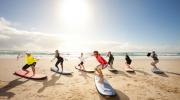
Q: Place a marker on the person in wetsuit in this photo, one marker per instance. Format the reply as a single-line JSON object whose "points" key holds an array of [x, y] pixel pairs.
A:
{"points": [[155, 59], [60, 60], [128, 60], [111, 59]]}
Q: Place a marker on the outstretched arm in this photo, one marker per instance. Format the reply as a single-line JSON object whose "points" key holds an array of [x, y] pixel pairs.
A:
{"points": [[19, 56]]}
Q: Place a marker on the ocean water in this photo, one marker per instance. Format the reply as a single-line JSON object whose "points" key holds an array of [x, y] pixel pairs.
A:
{"points": [[10, 53]]}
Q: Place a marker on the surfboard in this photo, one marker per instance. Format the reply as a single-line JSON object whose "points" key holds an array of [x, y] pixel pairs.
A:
{"points": [[129, 70], [104, 88], [60, 71], [29, 75], [157, 71], [112, 69], [86, 70]]}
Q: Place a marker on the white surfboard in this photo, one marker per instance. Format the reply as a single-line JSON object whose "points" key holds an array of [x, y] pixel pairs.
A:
{"points": [[104, 88], [129, 70], [86, 70], [65, 71]]}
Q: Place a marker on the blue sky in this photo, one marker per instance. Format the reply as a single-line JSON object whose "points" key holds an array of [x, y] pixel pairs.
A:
{"points": [[147, 24]]}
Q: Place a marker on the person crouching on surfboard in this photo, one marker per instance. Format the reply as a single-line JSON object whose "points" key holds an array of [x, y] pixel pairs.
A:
{"points": [[155, 58], [60, 59], [30, 62], [103, 64], [128, 61], [81, 64], [111, 59]]}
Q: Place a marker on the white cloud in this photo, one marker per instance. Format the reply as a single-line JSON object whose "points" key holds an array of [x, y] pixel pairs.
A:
{"points": [[12, 38], [15, 39]]}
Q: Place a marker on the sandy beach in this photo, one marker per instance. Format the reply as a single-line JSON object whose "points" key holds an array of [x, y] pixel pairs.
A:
{"points": [[141, 85]]}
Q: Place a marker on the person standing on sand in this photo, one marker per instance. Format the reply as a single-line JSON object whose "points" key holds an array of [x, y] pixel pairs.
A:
{"points": [[103, 64], [111, 59], [60, 59], [155, 58], [128, 61], [82, 60], [30, 62]]}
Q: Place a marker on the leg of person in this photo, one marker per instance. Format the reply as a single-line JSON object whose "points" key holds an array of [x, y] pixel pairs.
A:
{"points": [[99, 71], [82, 65], [153, 64], [62, 65], [56, 65], [127, 65], [33, 68], [25, 67], [111, 63]]}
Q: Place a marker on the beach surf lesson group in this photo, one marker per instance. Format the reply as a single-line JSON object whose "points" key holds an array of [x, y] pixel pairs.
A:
{"points": [[102, 85]]}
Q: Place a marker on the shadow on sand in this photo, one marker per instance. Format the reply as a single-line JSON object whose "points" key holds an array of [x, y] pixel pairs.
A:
{"points": [[122, 73], [143, 72], [163, 74], [4, 91], [84, 74], [119, 96], [172, 73], [51, 82]]}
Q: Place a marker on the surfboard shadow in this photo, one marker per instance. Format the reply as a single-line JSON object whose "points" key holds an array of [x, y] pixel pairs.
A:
{"points": [[119, 96], [51, 82], [172, 73], [143, 72], [123, 73], [162, 74], [4, 91], [114, 71], [132, 73]]}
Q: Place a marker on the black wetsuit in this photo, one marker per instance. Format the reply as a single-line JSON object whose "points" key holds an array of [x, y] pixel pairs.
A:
{"points": [[154, 56], [59, 60], [128, 60], [111, 59]]}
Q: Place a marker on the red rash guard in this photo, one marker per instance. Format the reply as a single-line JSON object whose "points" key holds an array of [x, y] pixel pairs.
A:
{"points": [[101, 60]]}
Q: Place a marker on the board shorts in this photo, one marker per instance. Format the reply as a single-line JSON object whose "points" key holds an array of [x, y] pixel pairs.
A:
{"points": [[81, 63], [129, 62], [27, 66]]}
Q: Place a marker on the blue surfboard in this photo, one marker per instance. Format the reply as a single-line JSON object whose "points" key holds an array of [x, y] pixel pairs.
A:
{"points": [[104, 88]]}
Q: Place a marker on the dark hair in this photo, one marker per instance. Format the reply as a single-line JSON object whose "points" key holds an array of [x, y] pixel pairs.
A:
{"points": [[148, 54], [96, 52]]}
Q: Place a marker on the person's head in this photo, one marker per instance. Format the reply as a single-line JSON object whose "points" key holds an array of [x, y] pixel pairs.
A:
{"points": [[28, 53], [81, 54], [95, 53], [109, 53], [56, 51], [153, 52]]}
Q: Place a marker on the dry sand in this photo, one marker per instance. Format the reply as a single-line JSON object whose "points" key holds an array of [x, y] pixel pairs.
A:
{"points": [[141, 85]]}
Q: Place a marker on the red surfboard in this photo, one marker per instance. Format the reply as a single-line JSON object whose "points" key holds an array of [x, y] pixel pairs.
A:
{"points": [[29, 75]]}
